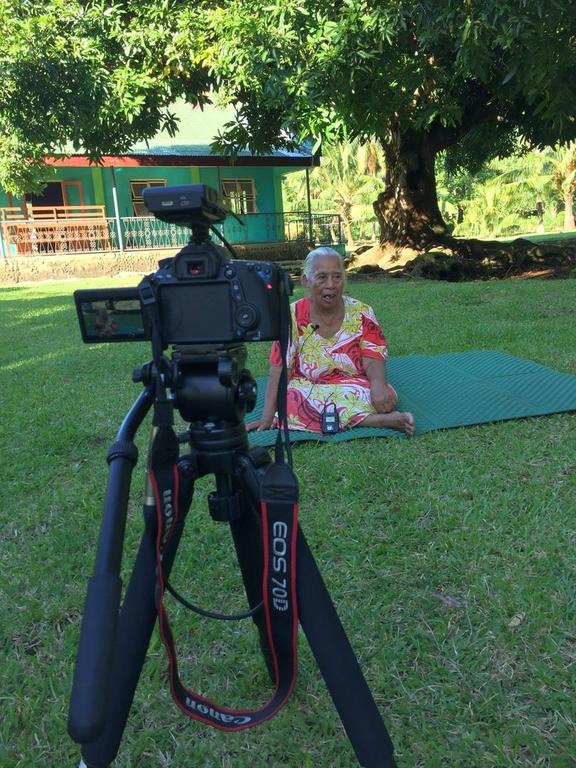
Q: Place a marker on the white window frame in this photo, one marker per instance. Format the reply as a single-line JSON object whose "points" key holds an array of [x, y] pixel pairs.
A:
{"points": [[239, 195], [136, 194]]}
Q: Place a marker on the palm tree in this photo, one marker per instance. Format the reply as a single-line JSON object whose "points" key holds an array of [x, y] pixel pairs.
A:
{"points": [[490, 212], [564, 178], [528, 179], [370, 158], [346, 182], [513, 189], [543, 174]]}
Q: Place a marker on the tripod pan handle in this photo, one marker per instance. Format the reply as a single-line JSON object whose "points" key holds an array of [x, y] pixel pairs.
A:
{"points": [[86, 715]]}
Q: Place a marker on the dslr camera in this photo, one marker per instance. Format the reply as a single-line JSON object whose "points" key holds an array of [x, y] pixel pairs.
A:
{"points": [[199, 296]]}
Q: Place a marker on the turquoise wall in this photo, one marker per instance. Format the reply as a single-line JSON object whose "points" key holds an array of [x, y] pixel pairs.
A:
{"points": [[256, 228], [266, 227], [174, 176], [97, 183], [82, 175]]}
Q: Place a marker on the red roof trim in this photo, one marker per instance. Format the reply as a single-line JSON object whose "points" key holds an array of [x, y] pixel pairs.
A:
{"points": [[125, 161]]}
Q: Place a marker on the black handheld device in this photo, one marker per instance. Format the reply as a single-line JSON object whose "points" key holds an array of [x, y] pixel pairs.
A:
{"points": [[330, 420]]}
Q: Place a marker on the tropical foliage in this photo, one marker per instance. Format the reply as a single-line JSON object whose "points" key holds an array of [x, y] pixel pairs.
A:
{"points": [[94, 75], [347, 182], [422, 77], [526, 192]]}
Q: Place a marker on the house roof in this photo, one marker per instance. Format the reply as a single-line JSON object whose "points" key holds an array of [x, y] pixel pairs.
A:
{"points": [[191, 145]]}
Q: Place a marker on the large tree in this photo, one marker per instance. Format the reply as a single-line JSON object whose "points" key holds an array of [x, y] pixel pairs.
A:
{"points": [[467, 76], [471, 77], [92, 75]]}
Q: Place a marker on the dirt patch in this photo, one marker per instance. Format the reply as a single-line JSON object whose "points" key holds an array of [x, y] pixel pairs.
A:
{"points": [[475, 260], [559, 271], [385, 258]]}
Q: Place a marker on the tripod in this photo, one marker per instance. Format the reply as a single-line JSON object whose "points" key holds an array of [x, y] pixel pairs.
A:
{"points": [[211, 390]]}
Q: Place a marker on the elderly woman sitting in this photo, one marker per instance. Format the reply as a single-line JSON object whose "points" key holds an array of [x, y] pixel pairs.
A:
{"points": [[336, 358]]}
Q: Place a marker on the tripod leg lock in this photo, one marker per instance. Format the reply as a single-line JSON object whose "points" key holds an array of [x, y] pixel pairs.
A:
{"points": [[122, 449]]}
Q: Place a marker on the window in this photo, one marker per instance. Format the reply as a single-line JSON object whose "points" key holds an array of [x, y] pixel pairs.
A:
{"points": [[52, 195], [136, 188], [239, 195]]}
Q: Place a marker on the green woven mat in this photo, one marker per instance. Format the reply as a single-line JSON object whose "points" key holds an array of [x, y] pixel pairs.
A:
{"points": [[455, 390]]}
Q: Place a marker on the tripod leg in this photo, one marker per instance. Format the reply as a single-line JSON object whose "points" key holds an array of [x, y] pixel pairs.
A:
{"points": [[339, 666], [324, 632], [135, 625], [247, 536]]}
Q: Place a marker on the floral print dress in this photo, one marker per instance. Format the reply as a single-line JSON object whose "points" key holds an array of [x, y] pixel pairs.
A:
{"points": [[330, 371]]}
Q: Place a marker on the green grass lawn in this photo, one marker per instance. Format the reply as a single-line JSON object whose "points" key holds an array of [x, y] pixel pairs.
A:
{"points": [[559, 237], [450, 557]]}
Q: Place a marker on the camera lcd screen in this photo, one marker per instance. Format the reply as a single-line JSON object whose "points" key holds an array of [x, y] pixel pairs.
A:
{"points": [[196, 313], [113, 314]]}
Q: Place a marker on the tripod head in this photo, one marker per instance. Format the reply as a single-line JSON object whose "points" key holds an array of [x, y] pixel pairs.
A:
{"points": [[209, 383], [212, 390]]}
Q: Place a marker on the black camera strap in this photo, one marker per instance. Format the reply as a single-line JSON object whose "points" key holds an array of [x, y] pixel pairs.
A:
{"points": [[283, 436], [279, 514]]}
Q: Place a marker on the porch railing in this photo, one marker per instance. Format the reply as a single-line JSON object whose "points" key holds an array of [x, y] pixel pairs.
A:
{"points": [[51, 212], [53, 229], [44, 235]]}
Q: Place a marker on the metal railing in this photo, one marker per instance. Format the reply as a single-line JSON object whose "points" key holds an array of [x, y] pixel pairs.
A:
{"points": [[42, 236], [365, 229], [51, 212]]}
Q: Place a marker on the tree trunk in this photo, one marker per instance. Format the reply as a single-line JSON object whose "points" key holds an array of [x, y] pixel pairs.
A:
{"points": [[569, 224], [346, 213], [408, 210], [540, 216]]}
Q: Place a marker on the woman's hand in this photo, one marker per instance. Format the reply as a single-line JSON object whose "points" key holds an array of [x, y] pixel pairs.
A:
{"points": [[260, 424], [383, 396], [270, 400]]}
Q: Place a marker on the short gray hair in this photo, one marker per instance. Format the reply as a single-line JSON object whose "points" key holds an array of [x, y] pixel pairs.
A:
{"points": [[323, 250]]}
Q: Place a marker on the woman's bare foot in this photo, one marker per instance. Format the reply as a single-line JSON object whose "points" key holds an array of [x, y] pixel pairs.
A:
{"points": [[400, 420]]}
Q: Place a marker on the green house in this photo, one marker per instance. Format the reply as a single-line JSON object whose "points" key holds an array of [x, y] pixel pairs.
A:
{"points": [[100, 207]]}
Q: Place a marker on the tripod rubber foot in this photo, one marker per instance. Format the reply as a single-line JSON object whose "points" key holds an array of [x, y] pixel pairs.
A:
{"points": [[90, 689]]}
